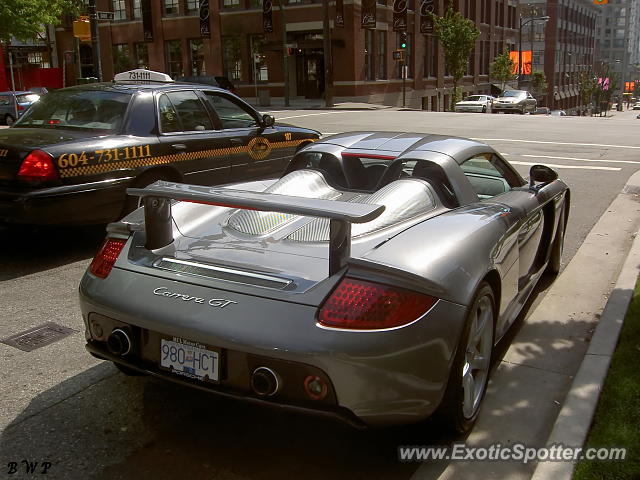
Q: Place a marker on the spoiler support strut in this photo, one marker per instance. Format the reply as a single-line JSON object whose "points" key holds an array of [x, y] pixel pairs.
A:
{"points": [[158, 218]]}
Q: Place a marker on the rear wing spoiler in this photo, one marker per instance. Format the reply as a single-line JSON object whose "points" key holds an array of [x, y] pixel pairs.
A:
{"points": [[158, 219]]}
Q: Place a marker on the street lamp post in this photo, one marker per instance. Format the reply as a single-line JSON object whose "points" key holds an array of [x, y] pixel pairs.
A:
{"points": [[522, 24]]}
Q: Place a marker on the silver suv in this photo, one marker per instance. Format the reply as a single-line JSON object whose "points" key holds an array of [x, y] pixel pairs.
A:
{"points": [[514, 101]]}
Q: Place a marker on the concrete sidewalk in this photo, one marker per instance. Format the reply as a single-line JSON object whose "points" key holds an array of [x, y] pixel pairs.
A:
{"points": [[537, 371], [277, 104]]}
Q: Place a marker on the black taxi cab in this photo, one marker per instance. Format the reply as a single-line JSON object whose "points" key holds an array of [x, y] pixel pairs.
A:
{"points": [[72, 155]]}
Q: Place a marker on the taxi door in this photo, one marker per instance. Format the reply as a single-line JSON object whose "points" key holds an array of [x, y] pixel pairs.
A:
{"points": [[257, 152], [190, 143]]}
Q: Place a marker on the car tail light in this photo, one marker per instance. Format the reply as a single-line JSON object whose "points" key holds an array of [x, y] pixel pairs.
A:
{"points": [[362, 305], [106, 257], [20, 107], [38, 166]]}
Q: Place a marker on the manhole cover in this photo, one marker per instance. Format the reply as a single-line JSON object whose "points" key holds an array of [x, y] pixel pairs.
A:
{"points": [[39, 336]]}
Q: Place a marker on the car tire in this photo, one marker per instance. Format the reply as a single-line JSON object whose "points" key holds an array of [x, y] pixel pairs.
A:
{"points": [[133, 203], [464, 392], [484, 109], [128, 371], [555, 260], [9, 120]]}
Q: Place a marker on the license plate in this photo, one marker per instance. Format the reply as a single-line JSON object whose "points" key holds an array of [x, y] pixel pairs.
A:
{"points": [[190, 359]]}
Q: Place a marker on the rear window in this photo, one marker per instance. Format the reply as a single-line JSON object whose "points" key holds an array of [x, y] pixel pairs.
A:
{"points": [[82, 110]]}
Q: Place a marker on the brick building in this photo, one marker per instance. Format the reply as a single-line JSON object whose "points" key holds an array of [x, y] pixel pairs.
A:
{"points": [[363, 64]]}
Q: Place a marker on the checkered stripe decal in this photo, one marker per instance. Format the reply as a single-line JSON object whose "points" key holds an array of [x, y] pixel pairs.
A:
{"points": [[164, 159]]}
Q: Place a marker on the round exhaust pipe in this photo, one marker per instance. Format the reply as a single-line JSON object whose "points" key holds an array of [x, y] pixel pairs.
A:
{"points": [[265, 382], [119, 342]]}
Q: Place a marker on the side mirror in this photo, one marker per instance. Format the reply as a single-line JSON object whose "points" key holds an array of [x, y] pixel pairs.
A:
{"points": [[541, 174], [268, 120]]}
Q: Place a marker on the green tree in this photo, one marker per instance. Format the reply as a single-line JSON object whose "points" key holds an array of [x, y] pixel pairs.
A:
{"points": [[538, 83], [501, 69], [457, 36], [587, 86], [25, 19]]}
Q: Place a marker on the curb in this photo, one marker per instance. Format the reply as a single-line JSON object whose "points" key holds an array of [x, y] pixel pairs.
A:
{"points": [[574, 420]]}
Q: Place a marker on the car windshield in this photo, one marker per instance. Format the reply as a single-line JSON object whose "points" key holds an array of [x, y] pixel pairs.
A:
{"points": [[512, 93], [473, 98], [83, 110]]}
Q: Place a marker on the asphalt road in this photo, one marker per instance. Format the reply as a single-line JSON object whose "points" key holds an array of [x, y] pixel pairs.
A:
{"points": [[60, 405]]}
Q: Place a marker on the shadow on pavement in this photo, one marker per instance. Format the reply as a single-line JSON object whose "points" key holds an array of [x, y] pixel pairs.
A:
{"points": [[25, 250]]}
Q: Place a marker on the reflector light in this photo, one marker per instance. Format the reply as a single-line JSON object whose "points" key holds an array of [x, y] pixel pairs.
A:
{"points": [[315, 387], [37, 166], [106, 257], [357, 304]]}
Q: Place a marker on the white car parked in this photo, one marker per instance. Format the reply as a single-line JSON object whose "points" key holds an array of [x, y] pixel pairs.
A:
{"points": [[475, 103]]}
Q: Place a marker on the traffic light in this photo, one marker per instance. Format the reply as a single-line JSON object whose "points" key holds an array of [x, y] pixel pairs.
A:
{"points": [[403, 40]]}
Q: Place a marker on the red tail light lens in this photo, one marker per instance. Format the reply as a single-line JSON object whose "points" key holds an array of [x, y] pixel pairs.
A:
{"points": [[38, 166], [106, 257], [361, 305], [21, 107]]}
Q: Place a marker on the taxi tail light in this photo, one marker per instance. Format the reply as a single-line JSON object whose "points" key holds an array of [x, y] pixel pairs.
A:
{"points": [[362, 305], [106, 257], [37, 166], [21, 107]]}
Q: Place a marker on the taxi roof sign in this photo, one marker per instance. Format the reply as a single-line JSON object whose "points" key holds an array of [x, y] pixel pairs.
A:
{"points": [[140, 75]]}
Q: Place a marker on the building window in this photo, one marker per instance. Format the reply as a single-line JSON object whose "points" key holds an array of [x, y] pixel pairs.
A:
{"points": [[192, 7], [122, 60], [430, 57], [174, 58], [142, 55], [381, 56], [170, 8], [196, 51], [368, 55], [137, 10], [258, 59], [232, 56], [230, 3], [119, 10]]}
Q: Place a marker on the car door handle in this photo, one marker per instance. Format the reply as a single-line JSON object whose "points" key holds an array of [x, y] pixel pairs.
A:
{"points": [[236, 141], [179, 146]]}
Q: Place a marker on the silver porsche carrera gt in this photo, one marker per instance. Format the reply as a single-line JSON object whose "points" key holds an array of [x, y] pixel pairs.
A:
{"points": [[371, 281]]}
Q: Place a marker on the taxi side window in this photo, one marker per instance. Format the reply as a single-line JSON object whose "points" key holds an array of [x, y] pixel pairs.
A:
{"points": [[168, 116], [231, 115], [4, 100], [183, 111]]}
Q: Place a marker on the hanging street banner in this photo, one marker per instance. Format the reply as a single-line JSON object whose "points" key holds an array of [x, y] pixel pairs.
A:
{"points": [[205, 25], [339, 13], [427, 7], [368, 14], [147, 20], [267, 16], [399, 15]]}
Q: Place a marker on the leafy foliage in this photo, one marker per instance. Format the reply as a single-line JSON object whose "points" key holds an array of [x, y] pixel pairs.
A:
{"points": [[587, 86], [457, 35], [538, 83], [25, 19], [501, 69]]}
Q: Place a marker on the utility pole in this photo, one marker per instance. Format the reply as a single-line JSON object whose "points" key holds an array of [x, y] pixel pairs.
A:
{"points": [[328, 60], [95, 39], [285, 54]]}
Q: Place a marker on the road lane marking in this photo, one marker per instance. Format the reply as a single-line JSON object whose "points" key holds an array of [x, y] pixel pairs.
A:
{"points": [[577, 167], [554, 143], [601, 160]]}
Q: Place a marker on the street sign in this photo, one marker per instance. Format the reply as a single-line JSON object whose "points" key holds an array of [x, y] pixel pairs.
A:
{"points": [[398, 55], [105, 15]]}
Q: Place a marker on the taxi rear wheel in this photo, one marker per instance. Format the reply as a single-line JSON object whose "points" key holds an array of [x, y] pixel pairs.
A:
{"points": [[9, 120]]}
